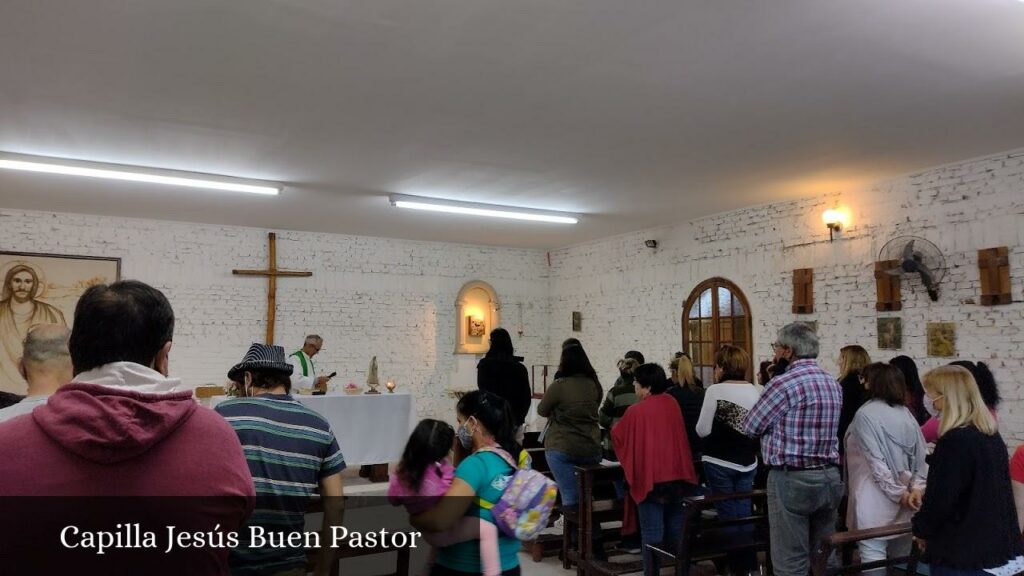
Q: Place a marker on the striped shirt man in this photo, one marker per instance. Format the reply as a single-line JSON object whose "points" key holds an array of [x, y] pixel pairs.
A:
{"points": [[797, 418], [289, 449]]}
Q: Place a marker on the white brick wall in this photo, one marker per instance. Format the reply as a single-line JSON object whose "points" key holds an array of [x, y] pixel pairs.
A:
{"points": [[395, 298], [392, 298], [632, 297]]}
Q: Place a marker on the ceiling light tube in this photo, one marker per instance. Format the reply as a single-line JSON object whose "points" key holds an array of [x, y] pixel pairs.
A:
{"points": [[135, 174], [485, 210]]}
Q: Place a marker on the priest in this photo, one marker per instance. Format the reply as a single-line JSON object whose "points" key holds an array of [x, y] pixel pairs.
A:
{"points": [[304, 375]]}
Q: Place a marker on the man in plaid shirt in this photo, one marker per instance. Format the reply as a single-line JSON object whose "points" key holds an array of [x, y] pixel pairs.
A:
{"points": [[797, 418]]}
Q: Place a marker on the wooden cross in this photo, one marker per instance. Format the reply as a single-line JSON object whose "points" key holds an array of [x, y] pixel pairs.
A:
{"points": [[271, 273]]}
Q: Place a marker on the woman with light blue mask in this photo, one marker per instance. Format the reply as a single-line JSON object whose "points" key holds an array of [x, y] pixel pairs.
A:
{"points": [[481, 475]]}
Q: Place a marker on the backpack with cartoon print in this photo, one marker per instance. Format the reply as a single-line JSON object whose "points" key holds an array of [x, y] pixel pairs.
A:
{"points": [[525, 506]]}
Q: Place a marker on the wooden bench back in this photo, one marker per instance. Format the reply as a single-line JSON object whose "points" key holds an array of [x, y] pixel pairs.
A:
{"points": [[710, 538], [206, 392], [841, 540], [535, 448], [598, 503]]}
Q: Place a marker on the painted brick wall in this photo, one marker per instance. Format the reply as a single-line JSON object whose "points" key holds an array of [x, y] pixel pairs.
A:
{"points": [[632, 297], [395, 298], [367, 296]]}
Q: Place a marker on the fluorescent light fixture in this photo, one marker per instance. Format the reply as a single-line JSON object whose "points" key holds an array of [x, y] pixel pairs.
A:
{"points": [[485, 210], [135, 174]]}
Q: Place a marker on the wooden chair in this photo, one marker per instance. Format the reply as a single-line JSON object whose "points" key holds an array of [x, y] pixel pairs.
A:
{"points": [[845, 540], [598, 503], [205, 393], [712, 539]]}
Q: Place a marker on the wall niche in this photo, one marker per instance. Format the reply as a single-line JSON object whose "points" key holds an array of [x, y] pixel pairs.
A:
{"points": [[477, 312]]}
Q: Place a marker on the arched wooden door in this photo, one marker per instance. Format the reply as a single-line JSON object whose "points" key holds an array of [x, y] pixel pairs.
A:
{"points": [[716, 313]]}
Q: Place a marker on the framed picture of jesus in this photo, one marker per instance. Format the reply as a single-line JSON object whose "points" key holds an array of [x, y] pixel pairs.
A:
{"points": [[42, 289]]}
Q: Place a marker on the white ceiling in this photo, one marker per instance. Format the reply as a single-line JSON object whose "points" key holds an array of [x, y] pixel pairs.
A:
{"points": [[632, 112]]}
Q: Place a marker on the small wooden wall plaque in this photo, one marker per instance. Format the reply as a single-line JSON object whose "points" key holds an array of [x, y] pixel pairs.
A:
{"points": [[803, 291], [994, 266], [887, 287]]}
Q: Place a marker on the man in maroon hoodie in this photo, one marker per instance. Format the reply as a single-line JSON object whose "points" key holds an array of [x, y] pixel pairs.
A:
{"points": [[122, 449]]}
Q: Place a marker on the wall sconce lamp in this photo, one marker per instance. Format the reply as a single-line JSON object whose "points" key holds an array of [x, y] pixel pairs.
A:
{"points": [[835, 220]]}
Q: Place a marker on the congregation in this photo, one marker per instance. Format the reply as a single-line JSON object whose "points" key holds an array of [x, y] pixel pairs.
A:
{"points": [[875, 446]]}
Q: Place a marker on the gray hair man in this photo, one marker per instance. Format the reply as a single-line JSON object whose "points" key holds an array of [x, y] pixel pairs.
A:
{"points": [[797, 418], [45, 364], [304, 376]]}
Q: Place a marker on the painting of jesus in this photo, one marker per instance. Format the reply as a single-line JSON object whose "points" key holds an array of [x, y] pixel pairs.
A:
{"points": [[41, 289]]}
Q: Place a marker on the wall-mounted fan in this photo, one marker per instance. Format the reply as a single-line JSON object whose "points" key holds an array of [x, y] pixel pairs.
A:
{"points": [[916, 256]]}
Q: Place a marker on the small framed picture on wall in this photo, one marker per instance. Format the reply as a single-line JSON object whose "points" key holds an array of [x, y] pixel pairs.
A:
{"points": [[577, 322]]}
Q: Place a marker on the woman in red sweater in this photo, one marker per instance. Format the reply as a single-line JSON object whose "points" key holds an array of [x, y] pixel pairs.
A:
{"points": [[650, 441]]}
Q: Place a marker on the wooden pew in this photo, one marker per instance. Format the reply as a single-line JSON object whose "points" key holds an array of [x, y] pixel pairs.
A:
{"points": [[845, 540], [598, 503], [709, 539]]}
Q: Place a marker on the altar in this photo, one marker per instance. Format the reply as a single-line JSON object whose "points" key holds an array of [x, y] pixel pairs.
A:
{"points": [[370, 428]]}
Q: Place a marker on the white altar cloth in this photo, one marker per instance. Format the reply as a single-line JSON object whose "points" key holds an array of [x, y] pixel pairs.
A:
{"points": [[370, 428]]}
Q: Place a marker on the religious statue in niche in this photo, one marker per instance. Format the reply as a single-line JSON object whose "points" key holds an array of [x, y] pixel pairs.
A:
{"points": [[942, 339], [477, 310], [42, 289], [890, 333], [477, 327]]}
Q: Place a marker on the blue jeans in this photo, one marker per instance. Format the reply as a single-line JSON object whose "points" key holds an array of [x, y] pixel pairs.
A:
{"points": [[563, 468], [722, 480], [661, 522]]}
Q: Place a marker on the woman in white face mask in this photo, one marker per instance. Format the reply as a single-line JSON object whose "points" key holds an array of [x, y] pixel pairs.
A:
{"points": [[986, 384], [967, 524], [485, 441]]}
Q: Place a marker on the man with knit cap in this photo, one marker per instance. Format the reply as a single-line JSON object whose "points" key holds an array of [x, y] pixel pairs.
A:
{"points": [[121, 428]]}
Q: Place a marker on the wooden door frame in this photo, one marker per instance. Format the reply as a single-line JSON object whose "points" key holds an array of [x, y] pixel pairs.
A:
{"points": [[694, 298]]}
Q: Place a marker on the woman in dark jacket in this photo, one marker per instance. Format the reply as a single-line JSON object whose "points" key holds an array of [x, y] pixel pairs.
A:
{"points": [[986, 387], [503, 374], [572, 437], [967, 522], [915, 392], [688, 392], [852, 359]]}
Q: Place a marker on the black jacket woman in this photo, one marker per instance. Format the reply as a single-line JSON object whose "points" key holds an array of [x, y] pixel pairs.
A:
{"points": [[502, 373], [852, 359], [967, 522]]}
